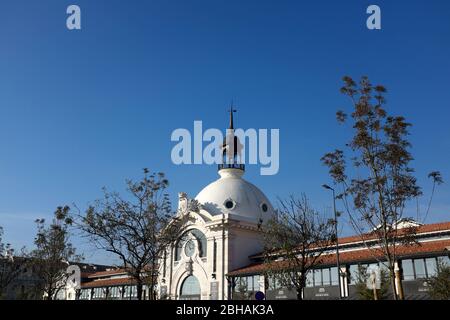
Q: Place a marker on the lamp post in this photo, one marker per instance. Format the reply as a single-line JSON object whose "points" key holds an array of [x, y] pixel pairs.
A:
{"points": [[337, 242]]}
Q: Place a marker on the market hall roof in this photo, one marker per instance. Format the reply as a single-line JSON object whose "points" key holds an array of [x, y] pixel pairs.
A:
{"points": [[363, 254]]}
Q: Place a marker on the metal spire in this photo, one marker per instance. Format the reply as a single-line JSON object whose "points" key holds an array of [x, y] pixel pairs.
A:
{"points": [[231, 116]]}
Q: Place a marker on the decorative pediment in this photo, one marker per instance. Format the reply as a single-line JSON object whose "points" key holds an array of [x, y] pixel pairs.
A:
{"points": [[186, 205], [182, 202]]}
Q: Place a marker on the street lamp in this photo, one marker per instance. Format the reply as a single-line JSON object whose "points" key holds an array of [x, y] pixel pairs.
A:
{"points": [[337, 242]]}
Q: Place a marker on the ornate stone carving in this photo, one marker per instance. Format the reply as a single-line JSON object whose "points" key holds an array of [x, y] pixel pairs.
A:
{"points": [[182, 202], [189, 267]]}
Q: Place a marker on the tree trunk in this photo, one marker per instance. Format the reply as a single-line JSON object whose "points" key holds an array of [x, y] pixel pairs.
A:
{"points": [[139, 290], [299, 294], [302, 284], [392, 279], [151, 292]]}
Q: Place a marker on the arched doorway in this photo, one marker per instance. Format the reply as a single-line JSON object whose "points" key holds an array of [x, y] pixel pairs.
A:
{"points": [[190, 289]]}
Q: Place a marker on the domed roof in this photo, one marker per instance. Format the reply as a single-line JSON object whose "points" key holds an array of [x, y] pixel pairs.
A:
{"points": [[233, 195]]}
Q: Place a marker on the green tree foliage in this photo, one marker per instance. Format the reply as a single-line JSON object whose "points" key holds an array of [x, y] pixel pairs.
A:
{"points": [[361, 279], [440, 283]]}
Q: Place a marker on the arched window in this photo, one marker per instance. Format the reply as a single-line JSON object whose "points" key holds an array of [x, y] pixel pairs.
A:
{"points": [[190, 289], [200, 241]]}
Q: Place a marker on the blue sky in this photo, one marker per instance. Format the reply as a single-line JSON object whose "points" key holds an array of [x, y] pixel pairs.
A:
{"points": [[84, 109]]}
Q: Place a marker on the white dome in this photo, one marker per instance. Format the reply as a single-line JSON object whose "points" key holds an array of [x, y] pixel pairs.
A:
{"points": [[233, 195]]}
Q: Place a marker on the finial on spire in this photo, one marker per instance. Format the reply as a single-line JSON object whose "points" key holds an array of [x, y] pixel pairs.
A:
{"points": [[232, 110]]}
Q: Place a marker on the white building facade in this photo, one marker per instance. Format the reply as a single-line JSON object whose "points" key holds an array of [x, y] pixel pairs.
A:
{"points": [[221, 233]]}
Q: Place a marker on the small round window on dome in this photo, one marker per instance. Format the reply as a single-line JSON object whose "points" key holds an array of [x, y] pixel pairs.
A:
{"points": [[229, 204], [264, 207]]}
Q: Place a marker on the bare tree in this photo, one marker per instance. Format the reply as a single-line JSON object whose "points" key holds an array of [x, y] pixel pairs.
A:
{"points": [[9, 268], [382, 181], [137, 228], [53, 253], [299, 235]]}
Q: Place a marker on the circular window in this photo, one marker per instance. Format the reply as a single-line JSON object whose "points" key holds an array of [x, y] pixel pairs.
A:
{"points": [[189, 248], [264, 207], [229, 204]]}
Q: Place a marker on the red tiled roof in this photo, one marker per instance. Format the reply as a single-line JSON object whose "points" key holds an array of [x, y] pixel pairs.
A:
{"points": [[112, 272], [365, 254], [354, 256], [108, 282], [435, 227], [421, 229], [106, 273], [86, 274]]}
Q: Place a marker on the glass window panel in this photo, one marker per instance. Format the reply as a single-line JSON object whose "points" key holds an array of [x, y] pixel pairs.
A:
{"points": [[419, 267], [242, 284], [408, 271], [241, 281], [317, 277], [178, 250], [256, 283], [278, 283], [372, 266], [326, 277], [98, 293], [271, 283], [431, 267], [190, 286], [353, 273], [334, 276], [444, 261], [310, 279], [275, 283], [115, 293], [249, 283], [362, 272], [383, 266], [201, 239], [201, 243]]}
